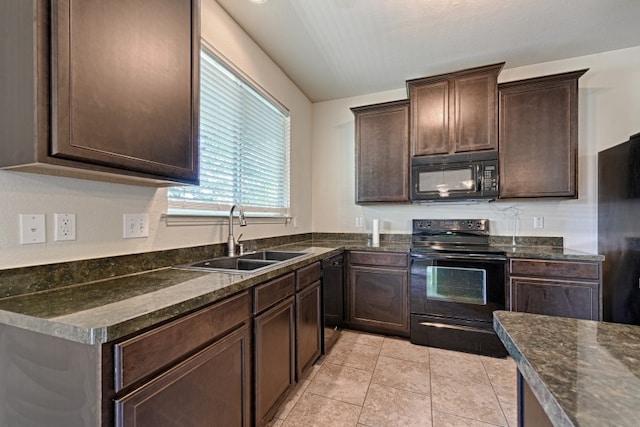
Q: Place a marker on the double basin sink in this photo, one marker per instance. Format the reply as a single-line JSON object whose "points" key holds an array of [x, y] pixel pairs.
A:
{"points": [[249, 262]]}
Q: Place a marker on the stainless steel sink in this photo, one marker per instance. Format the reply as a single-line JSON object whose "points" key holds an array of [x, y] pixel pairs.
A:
{"points": [[250, 262], [272, 255]]}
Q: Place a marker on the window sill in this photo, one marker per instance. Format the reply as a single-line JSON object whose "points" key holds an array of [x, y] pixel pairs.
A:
{"points": [[218, 218]]}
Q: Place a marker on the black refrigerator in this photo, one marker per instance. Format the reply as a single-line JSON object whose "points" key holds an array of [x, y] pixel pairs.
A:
{"points": [[619, 230]]}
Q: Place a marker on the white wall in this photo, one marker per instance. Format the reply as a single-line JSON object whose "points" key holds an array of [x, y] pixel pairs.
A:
{"points": [[609, 98], [99, 206]]}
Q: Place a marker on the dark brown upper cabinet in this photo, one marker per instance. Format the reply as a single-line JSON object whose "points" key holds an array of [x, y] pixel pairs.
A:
{"points": [[382, 152], [539, 136], [105, 90], [455, 112]]}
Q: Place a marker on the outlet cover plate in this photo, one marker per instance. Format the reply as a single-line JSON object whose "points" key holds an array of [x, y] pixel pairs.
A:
{"points": [[65, 227], [538, 222], [32, 229]]}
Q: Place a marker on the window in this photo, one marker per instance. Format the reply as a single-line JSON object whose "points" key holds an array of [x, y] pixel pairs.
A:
{"points": [[244, 147]]}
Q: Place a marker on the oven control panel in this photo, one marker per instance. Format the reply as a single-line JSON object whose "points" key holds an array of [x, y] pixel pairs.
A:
{"points": [[450, 225]]}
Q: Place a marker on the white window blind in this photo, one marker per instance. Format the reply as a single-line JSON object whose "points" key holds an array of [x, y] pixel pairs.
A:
{"points": [[244, 147]]}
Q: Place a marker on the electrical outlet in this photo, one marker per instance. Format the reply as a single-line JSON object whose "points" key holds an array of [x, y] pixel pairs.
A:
{"points": [[359, 221], [135, 226], [65, 226], [32, 229], [295, 222], [538, 222]]}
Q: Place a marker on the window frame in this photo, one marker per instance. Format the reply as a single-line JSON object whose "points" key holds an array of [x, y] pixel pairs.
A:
{"points": [[199, 212]]}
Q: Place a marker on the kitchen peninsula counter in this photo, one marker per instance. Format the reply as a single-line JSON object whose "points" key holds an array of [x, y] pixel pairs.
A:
{"points": [[581, 372]]}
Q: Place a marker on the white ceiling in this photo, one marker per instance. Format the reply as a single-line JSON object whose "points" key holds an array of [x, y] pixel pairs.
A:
{"points": [[339, 48]]}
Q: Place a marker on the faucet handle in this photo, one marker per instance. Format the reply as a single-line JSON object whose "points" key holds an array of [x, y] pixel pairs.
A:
{"points": [[240, 246]]}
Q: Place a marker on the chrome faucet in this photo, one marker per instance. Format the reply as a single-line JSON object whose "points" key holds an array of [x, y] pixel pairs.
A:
{"points": [[231, 241]]}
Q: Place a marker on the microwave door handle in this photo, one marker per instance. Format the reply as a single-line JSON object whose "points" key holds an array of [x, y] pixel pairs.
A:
{"points": [[478, 179]]}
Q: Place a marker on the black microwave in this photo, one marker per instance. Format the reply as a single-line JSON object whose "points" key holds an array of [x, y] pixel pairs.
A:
{"points": [[455, 177]]}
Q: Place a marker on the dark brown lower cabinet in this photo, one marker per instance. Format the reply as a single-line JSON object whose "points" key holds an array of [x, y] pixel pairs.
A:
{"points": [[308, 328], [194, 370], [274, 358], [210, 388], [556, 288], [378, 292]]}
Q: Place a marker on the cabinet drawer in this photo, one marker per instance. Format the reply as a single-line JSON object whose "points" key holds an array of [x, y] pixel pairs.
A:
{"points": [[269, 293], [188, 395], [562, 269], [387, 259], [148, 353], [308, 275], [556, 298]]}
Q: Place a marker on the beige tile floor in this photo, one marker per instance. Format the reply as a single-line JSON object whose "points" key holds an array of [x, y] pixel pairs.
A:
{"points": [[370, 380]]}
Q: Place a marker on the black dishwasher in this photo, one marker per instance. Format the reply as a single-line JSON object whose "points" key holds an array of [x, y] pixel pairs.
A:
{"points": [[333, 298]]}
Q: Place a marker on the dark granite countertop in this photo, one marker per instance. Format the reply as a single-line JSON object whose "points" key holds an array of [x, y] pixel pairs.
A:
{"points": [[583, 372], [101, 309], [104, 310]]}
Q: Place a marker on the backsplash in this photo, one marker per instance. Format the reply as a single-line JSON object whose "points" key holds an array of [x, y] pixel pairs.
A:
{"points": [[526, 241], [26, 280]]}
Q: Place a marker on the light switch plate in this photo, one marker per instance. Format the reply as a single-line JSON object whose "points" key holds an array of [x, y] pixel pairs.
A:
{"points": [[135, 225], [32, 229]]}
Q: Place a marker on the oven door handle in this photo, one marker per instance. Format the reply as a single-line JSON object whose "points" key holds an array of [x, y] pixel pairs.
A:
{"points": [[462, 257]]}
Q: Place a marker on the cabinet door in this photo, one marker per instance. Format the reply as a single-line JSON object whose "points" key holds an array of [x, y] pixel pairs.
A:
{"points": [[125, 85], [555, 297], [274, 358], [308, 328], [378, 299], [382, 152], [430, 118], [475, 122], [539, 136], [210, 388]]}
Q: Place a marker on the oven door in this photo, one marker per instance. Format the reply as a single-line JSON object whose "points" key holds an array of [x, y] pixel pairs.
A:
{"points": [[458, 286]]}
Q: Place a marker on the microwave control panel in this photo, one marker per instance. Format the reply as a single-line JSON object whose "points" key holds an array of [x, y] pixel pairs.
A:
{"points": [[490, 177]]}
